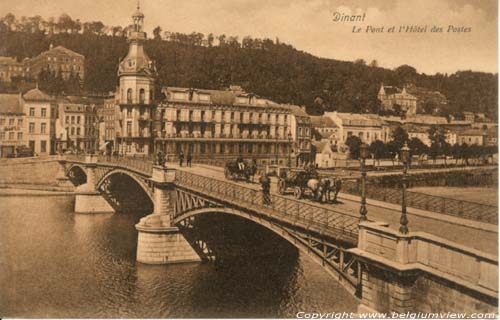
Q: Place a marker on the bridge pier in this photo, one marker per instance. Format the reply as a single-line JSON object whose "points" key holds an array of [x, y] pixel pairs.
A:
{"points": [[419, 272], [62, 179], [159, 241], [87, 198]]}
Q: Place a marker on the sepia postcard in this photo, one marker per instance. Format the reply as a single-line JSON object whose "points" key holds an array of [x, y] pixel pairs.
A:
{"points": [[307, 159]]}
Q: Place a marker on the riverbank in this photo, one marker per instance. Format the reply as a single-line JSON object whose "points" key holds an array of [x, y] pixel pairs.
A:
{"points": [[9, 191]]}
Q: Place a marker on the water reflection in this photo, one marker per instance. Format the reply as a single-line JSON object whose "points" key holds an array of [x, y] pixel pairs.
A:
{"points": [[55, 263]]}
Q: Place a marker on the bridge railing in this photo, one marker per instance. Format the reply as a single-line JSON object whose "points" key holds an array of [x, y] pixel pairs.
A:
{"points": [[143, 164], [276, 206], [440, 205]]}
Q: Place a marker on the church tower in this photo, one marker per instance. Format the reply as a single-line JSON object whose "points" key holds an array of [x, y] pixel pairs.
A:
{"points": [[136, 74]]}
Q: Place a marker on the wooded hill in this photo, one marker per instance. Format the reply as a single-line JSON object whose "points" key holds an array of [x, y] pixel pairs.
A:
{"points": [[268, 68]]}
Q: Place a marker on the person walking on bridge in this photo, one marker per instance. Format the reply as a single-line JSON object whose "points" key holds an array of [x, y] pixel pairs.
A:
{"points": [[181, 158], [188, 159], [265, 183]]}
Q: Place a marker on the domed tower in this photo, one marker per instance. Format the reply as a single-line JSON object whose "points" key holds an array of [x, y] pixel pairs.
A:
{"points": [[137, 74]]}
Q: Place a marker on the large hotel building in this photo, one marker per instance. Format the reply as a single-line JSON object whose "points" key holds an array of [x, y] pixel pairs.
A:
{"points": [[208, 124]]}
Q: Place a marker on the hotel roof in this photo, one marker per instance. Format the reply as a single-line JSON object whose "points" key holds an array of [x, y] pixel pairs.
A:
{"points": [[10, 103]]}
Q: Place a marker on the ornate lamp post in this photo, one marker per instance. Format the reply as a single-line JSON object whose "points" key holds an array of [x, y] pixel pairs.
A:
{"points": [[405, 157], [289, 149], [363, 153], [276, 150]]}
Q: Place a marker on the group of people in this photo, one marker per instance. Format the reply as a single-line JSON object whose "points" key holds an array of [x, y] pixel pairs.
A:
{"points": [[189, 159]]}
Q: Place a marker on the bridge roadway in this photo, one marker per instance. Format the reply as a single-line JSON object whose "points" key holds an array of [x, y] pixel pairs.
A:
{"points": [[456, 230]]}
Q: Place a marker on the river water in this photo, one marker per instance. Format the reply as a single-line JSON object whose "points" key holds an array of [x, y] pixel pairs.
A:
{"points": [[55, 263]]}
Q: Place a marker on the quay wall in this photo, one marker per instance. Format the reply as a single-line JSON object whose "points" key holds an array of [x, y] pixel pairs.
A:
{"points": [[35, 173]]}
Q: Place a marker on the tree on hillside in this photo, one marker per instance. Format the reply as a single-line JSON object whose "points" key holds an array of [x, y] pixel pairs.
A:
{"points": [[157, 33], [353, 142], [379, 150], [399, 137], [417, 147]]}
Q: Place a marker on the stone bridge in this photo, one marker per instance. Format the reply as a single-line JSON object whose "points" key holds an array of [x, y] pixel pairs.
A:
{"points": [[388, 271]]}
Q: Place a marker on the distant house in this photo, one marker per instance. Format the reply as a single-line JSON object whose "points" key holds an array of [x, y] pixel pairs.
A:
{"points": [[11, 124], [391, 96], [368, 127], [411, 99], [325, 128], [10, 68], [327, 154], [59, 60], [472, 136]]}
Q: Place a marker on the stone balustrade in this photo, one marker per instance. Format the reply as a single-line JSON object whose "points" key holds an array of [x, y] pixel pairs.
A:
{"points": [[417, 263]]}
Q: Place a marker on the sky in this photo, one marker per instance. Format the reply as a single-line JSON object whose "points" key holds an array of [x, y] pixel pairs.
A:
{"points": [[308, 25]]}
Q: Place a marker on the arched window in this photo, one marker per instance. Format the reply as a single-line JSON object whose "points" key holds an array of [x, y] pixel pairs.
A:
{"points": [[129, 95], [142, 96]]}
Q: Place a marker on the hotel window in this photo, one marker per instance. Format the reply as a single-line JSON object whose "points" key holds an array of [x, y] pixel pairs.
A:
{"points": [[213, 115], [142, 96], [78, 131], [31, 127], [43, 127], [44, 112], [11, 122], [203, 116], [2, 122], [67, 119], [129, 128], [232, 116], [43, 146], [72, 119], [129, 96], [32, 112], [78, 119], [19, 122], [129, 112], [2, 135], [72, 131], [11, 135], [19, 136]]}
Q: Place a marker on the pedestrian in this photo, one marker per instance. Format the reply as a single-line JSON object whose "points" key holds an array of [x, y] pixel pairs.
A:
{"points": [[188, 159], [181, 158], [265, 183]]}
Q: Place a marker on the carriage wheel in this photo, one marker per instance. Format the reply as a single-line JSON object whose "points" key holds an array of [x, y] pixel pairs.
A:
{"points": [[281, 186], [297, 192], [227, 174]]}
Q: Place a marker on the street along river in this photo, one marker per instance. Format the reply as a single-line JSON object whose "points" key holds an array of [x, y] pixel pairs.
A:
{"points": [[55, 263]]}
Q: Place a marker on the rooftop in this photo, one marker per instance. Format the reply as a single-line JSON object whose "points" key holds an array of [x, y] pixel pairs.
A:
{"points": [[10, 103], [322, 122], [62, 50], [36, 95]]}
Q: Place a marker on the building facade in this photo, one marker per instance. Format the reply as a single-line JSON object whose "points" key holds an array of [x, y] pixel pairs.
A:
{"points": [[59, 60], [11, 124], [77, 125], [222, 124], [135, 95], [10, 68], [392, 96], [368, 127], [40, 111]]}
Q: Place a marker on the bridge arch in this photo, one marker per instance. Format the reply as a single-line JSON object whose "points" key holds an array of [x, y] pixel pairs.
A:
{"points": [[338, 263], [77, 174], [148, 190], [126, 191]]}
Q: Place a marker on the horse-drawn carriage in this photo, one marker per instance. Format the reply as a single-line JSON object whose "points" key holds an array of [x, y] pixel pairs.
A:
{"points": [[308, 181], [239, 170]]}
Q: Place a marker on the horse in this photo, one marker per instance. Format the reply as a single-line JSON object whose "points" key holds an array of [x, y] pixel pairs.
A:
{"points": [[317, 188], [331, 185]]}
